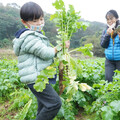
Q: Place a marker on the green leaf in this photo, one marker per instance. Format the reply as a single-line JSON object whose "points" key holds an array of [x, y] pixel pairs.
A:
{"points": [[53, 16], [71, 9], [59, 47], [107, 113], [40, 83], [23, 113], [85, 25], [59, 4], [86, 49], [115, 106], [61, 112]]}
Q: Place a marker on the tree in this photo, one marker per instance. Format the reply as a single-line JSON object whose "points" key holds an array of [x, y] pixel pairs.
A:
{"points": [[95, 40], [9, 22], [50, 29]]}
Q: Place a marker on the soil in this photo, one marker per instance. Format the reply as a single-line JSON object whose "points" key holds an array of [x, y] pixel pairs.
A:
{"points": [[5, 114], [7, 53]]}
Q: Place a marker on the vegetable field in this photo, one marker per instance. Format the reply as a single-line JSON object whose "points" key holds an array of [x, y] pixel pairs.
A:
{"points": [[80, 83], [91, 101]]}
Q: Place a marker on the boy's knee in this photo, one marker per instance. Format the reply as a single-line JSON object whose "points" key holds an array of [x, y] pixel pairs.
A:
{"points": [[58, 103]]}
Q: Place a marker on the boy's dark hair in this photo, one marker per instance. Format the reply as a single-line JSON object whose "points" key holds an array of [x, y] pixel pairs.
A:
{"points": [[30, 11]]}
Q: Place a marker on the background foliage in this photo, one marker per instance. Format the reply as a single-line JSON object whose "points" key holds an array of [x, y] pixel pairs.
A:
{"points": [[10, 23]]}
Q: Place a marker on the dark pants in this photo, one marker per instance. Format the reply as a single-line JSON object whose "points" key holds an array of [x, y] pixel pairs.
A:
{"points": [[110, 67], [49, 102]]}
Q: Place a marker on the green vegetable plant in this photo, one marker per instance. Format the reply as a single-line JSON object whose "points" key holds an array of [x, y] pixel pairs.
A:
{"points": [[67, 111], [67, 23], [23, 100], [107, 103], [23, 113], [19, 95], [9, 79], [42, 79], [90, 71]]}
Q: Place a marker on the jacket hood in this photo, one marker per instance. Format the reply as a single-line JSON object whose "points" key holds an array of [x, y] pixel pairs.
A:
{"points": [[18, 33]]}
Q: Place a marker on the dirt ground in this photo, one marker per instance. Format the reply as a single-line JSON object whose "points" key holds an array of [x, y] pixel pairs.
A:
{"points": [[7, 54], [5, 114]]}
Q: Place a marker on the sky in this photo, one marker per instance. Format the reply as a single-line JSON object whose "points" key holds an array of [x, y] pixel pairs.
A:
{"points": [[92, 10]]}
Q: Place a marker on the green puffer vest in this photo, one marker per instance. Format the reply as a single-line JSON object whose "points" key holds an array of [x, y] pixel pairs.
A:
{"points": [[34, 54]]}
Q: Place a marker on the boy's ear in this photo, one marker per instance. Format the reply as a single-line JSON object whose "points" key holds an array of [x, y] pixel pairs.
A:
{"points": [[24, 22]]}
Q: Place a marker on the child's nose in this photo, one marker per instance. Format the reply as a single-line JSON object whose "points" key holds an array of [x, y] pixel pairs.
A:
{"points": [[39, 22]]}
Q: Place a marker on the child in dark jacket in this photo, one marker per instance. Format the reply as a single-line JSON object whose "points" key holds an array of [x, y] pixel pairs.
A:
{"points": [[111, 42], [34, 55]]}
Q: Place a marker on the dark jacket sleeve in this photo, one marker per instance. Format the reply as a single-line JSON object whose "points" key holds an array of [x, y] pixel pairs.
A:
{"points": [[105, 38]]}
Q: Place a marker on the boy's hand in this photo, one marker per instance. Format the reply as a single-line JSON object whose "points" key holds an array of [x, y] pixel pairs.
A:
{"points": [[67, 43]]}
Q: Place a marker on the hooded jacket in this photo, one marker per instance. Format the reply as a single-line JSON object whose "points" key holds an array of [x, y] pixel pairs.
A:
{"points": [[34, 54]]}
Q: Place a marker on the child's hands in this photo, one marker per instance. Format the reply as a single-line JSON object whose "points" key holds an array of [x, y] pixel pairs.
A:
{"points": [[67, 44], [109, 31]]}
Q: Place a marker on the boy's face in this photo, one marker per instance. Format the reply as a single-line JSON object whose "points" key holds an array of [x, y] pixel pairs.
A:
{"points": [[35, 25]]}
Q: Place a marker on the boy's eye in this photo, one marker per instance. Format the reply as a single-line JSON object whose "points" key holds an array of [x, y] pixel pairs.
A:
{"points": [[41, 18]]}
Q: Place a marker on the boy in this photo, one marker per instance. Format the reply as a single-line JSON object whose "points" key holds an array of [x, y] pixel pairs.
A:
{"points": [[35, 54]]}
